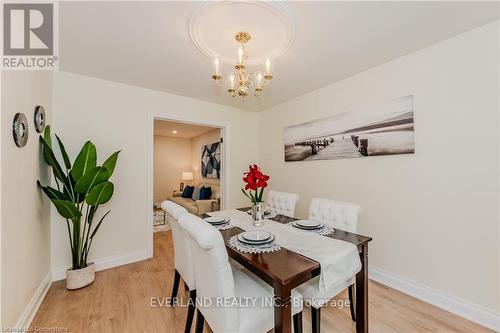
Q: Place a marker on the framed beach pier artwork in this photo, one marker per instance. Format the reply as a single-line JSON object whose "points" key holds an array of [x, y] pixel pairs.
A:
{"points": [[382, 129]]}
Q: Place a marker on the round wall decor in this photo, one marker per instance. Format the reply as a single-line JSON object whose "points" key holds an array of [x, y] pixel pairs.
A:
{"points": [[39, 118], [20, 129]]}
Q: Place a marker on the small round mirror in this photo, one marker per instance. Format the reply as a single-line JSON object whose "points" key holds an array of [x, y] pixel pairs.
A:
{"points": [[20, 129], [39, 118]]}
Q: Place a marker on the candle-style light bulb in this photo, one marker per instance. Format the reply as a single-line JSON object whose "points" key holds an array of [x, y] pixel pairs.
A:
{"points": [[231, 89], [258, 83], [216, 65], [216, 76], [268, 75]]}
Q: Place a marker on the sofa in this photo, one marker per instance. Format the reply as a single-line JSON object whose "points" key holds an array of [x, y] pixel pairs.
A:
{"points": [[197, 206]]}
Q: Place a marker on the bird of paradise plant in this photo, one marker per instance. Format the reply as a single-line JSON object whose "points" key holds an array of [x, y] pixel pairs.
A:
{"points": [[82, 187]]}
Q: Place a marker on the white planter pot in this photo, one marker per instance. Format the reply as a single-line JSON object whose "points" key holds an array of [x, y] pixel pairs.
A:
{"points": [[79, 278]]}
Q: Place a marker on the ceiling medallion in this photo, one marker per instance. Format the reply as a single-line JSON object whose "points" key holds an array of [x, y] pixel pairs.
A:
{"points": [[241, 82], [277, 15]]}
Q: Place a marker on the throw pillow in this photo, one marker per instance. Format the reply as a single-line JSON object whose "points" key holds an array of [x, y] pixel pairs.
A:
{"points": [[188, 192], [205, 193], [196, 193]]}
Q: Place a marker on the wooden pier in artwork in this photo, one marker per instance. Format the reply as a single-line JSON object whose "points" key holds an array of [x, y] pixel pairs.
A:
{"points": [[322, 149]]}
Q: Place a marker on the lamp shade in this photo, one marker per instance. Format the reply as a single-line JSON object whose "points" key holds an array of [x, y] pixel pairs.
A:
{"points": [[187, 176]]}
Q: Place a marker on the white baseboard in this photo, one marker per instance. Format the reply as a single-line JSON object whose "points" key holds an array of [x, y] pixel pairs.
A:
{"points": [[462, 308], [107, 262], [29, 312]]}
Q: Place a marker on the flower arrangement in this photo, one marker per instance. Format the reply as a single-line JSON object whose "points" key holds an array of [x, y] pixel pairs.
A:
{"points": [[256, 182]]}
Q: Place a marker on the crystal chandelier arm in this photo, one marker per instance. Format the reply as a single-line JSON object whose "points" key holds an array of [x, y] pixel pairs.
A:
{"points": [[251, 77], [221, 82], [265, 83]]}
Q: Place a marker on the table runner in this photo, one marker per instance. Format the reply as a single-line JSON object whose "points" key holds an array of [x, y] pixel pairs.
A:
{"points": [[339, 260]]}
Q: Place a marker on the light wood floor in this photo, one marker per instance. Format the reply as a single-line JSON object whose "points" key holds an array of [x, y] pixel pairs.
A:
{"points": [[119, 301]]}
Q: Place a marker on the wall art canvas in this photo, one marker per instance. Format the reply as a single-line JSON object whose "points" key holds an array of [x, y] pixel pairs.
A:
{"points": [[210, 161], [383, 129]]}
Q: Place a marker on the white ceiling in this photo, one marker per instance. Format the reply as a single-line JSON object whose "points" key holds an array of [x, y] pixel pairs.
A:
{"points": [[183, 130], [148, 44]]}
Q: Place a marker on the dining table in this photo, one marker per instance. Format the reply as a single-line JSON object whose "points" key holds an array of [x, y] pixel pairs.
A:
{"points": [[285, 270]]}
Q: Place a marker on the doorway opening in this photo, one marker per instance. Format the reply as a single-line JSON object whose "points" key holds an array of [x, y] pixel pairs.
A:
{"points": [[188, 167]]}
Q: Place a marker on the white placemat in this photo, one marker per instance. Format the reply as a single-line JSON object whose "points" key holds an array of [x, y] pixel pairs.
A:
{"points": [[339, 260], [224, 226]]}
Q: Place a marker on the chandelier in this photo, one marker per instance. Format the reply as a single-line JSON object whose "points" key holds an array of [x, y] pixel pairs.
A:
{"points": [[241, 82]]}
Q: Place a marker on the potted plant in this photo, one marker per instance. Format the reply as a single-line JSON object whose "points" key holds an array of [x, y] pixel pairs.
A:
{"points": [[256, 182], [82, 187]]}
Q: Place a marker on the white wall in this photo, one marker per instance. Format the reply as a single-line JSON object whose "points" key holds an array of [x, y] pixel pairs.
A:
{"points": [[117, 116], [25, 215], [171, 157], [433, 215]]}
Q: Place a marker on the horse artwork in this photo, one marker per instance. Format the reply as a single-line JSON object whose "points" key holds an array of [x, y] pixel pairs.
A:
{"points": [[210, 161], [380, 129]]}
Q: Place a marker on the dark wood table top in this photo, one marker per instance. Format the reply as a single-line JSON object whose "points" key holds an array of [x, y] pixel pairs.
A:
{"points": [[285, 266]]}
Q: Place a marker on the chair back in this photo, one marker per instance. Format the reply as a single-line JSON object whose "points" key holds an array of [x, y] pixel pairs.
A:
{"points": [[213, 274], [281, 202], [183, 260], [338, 214]]}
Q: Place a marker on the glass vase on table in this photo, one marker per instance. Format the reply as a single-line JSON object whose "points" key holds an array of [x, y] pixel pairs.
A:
{"points": [[257, 214]]}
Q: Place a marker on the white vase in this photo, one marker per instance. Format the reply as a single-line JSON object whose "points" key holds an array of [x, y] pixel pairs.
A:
{"points": [[258, 213], [79, 278]]}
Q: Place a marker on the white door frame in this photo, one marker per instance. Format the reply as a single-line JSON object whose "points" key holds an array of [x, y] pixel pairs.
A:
{"points": [[225, 167]]}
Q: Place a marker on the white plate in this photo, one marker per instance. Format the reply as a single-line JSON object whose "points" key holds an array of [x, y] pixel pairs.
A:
{"points": [[256, 235], [248, 242], [308, 223], [307, 228], [215, 220]]}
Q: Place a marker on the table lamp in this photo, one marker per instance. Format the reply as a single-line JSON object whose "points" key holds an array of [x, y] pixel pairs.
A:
{"points": [[185, 176]]}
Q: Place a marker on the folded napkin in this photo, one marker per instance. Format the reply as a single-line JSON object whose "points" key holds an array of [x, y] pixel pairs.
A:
{"points": [[339, 260]]}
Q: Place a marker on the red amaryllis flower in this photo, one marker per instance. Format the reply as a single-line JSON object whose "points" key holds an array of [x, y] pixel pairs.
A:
{"points": [[251, 187], [255, 180]]}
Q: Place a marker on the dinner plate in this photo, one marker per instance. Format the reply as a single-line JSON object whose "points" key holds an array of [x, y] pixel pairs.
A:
{"points": [[308, 223], [260, 242], [256, 235], [216, 220], [313, 227]]}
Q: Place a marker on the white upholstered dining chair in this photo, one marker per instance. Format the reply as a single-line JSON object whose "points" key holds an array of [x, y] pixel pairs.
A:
{"points": [[340, 215], [282, 203], [183, 260], [216, 279]]}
